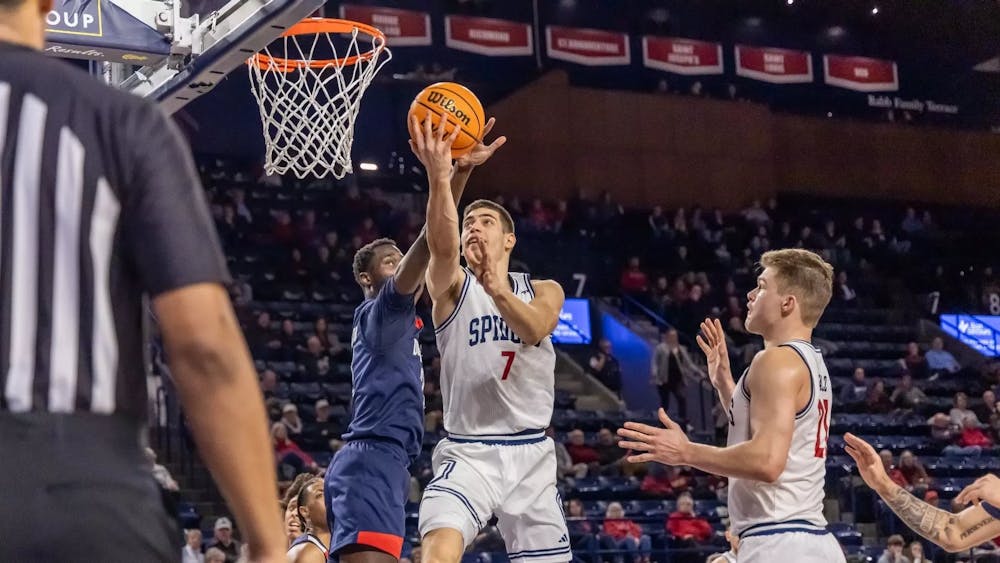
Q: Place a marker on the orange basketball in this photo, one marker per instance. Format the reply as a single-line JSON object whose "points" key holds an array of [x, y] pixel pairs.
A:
{"points": [[462, 107]]}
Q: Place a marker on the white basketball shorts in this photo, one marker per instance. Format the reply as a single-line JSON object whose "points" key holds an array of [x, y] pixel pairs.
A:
{"points": [[513, 479], [800, 547]]}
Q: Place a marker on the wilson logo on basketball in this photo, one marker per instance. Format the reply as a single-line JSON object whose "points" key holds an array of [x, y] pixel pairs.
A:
{"points": [[448, 104]]}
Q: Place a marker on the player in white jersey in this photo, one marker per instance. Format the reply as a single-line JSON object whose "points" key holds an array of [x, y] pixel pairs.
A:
{"points": [[497, 380], [779, 418]]}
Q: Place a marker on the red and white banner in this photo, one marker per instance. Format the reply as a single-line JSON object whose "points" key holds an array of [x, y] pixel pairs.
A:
{"points": [[860, 73], [402, 28], [770, 64], [592, 47], [682, 56], [488, 36]]}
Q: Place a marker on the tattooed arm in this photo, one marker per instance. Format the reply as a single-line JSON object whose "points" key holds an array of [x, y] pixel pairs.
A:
{"points": [[953, 532]]}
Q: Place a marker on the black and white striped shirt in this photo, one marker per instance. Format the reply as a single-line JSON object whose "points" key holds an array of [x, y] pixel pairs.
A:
{"points": [[99, 204]]}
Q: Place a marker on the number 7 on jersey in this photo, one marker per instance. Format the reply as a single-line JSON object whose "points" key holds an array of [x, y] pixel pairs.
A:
{"points": [[510, 361]]}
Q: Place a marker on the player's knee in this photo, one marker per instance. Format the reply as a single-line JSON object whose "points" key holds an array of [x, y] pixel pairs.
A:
{"points": [[443, 545]]}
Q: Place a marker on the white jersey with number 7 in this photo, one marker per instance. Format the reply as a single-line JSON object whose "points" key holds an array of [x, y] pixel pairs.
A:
{"points": [[491, 382], [795, 500]]}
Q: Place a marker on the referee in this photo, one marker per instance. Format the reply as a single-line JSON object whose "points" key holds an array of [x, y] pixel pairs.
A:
{"points": [[100, 205]]}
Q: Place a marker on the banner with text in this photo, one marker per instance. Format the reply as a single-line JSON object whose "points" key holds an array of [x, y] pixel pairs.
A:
{"points": [[488, 36], [591, 47], [860, 73], [770, 64], [682, 56], [402, 28], [104, 31]]}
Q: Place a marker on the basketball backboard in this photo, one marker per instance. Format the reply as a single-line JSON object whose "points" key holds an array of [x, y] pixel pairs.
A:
{"points": [[172, 51]]}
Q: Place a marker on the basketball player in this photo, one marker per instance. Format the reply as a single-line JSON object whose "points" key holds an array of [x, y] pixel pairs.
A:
{"points": [[311, 513], [973, 526], [779, 416], [101, 206], [497, 382], [368, 480]]}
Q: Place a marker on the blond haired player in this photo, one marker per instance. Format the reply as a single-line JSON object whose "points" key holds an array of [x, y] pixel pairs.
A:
{"points": [[497, 380], [779, 416]]}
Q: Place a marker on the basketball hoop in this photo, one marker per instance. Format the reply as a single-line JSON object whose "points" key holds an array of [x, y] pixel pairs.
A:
{"points": [[308, 104]]}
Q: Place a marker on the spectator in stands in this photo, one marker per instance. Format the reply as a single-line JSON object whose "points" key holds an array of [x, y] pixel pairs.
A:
{"points": [[282, 230], [323, 268], [290, 457], [911, 224], [659, 224], [296, 271], [216, 555], [565, 468], [581, 531], [290, 419], [906, 395], [681, 478], [915, 552], [538, 217], [914, 362], [241, 293], [877, 401], [160, 473], [192, 551], [288, 347], [972, 440], [842, 292], [578, 449], [694, 310], [913, 471], [622, 534], [672, 369], [891, 470], [321, 330], [657, 481], [960, 411], [224, 542], [604, 366], [367, 231], [307, 232], [659, 295], [855, 390], [315, 360], [688, 529], [261, 340], [986, 411], [894, 551], [633, 280], [756, 214], [609, 456], [325, 428], [940, 360], [942, 430]]}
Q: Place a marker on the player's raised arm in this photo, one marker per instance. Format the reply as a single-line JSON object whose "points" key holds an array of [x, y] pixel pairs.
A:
{"points": [[776, 377], [531, 322], [954, 532], [413, 266], [712, 342]]}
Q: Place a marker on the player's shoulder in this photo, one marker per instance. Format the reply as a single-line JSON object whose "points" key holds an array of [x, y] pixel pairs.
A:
{"points": [[546, 286], [777, 363]]}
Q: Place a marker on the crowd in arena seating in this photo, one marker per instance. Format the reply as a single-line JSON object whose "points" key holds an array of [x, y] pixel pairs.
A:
{"points": [[291, 249]]}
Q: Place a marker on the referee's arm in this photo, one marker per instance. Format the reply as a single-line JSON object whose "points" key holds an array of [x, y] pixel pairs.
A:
{"points": [[176, 251]]}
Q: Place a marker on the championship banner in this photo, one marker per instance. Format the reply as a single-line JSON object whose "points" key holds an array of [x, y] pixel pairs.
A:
{"points": [[860, 73], [488, 36], [104, 31], [591, 47], [682, 56], [402, 28], [778, 66]]}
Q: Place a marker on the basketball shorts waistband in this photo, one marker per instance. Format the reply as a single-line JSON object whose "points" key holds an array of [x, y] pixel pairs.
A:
{"points": [[772, 528], [530, 436]]}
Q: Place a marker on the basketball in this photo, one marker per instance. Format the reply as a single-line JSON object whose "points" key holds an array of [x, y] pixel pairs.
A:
{"points": [[462, 107]]}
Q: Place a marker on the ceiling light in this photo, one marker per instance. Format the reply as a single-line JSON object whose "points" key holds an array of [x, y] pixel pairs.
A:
{"points": [[874, 10], [369, 166]]}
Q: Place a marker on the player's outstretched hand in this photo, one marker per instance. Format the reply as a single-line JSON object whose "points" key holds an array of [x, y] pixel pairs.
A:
{"points": [[712, 341], [869, 463], [432, 147], [986, 488], [667, 445], [481, 152]]}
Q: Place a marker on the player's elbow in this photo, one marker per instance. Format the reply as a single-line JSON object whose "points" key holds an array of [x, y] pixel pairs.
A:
{"points": [[771, 470]]}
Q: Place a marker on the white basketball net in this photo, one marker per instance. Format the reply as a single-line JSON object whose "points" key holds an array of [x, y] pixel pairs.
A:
{"points": [[308, 113]]}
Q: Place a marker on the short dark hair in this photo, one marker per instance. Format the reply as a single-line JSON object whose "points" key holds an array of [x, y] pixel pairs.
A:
{"points": [[364, 256], [10, 4], [505, 218], [301, 499]]}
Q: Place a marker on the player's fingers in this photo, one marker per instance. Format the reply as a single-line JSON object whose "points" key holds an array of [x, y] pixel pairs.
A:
{"points": [[665, 419], [641, 428], [489, 127], [702, 344], [969, 494], [640, 458], [442, 128], [453, 136], [639, 446], [853, 453], [428, 129], [416, 133], [633, 435], [497, 143]]}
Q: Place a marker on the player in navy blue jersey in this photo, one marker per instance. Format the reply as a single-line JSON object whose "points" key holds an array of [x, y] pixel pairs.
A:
{"points": [[367, 483]]}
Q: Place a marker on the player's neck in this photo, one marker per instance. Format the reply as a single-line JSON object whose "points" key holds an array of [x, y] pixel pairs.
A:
{"points": [[17, 30], [778, 335]]}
